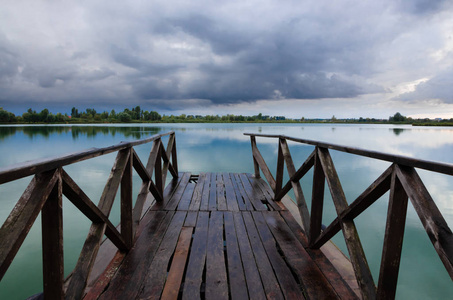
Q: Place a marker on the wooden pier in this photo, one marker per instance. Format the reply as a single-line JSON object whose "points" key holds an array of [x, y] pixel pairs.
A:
{"points": [[218, 235]]}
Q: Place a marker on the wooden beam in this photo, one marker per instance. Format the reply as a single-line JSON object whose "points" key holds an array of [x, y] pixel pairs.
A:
{"points": [[23, 215], [393, 240], [279, 172], [255, 162], [52, 243], [435, 225], [262, 164], [317, 200], [127, 225], [300, 199], [351, 237]]}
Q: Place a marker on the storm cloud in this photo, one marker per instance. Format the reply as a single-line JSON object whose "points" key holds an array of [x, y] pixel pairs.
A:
{"points": [[159, 52]]}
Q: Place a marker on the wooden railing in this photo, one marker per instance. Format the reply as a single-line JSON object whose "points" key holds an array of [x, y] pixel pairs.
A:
{"points": [[400, 178], [44, 194]]}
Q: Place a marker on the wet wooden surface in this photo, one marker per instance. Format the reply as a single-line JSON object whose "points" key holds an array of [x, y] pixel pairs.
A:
{"points": [[220, 236]]}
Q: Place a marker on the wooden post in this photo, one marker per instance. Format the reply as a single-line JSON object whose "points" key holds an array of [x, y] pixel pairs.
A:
{"points": [[174, 160], [158, 169], [127, 230], [52, 243], [317, 200], [255, 163], [393, 240], [279, 173]]}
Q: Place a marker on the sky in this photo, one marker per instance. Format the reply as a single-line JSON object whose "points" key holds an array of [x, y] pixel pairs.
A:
{"points": [[312, 59]]}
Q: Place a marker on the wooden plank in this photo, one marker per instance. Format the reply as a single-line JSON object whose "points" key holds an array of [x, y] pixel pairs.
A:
{"points": [[256, 166], [221, 200], [393, 240], [157, 270], [186, 197], [231, 199], [434, 223], [206, 191], [191, 219], [197, 259], [316, 286], [198, 193], [23, 215], [356, 253], [168, 193], [331, 273], [127, 226], [176, 197], [279, 172], [260, 185], [253, 196], [288, 283], [52, 243], [168, 166], [252, 275], [317, 200], [139, 167], [171, 288], [213, 192], [262, 164], [300, 199], [128, 280], [236, 278], [268, 277], [174, 159], [216, 274], [241, 195]]}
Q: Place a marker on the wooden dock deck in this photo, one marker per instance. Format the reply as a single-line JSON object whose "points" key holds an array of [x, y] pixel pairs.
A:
{"points": [[220, 236]]}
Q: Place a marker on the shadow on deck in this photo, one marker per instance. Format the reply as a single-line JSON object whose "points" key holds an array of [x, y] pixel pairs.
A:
{"points": [[219, 236]]}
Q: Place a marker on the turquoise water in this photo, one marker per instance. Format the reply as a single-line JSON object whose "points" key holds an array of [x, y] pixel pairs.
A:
{"points": [[223, 147]]}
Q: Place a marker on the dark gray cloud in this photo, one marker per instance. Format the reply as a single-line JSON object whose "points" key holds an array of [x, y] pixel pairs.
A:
{"points": [[225, 53]]}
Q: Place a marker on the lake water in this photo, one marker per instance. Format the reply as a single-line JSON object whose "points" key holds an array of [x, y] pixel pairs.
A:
{"points": [[223, 147]]}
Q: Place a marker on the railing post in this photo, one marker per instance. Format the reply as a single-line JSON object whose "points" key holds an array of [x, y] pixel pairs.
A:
{"points": [[317, 199], [279, 173], [393, 240], [174, 159], [127, 230], [52, 242], [158, 168], [255, 163]]}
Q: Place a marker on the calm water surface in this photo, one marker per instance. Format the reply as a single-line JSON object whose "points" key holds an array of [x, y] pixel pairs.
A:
{"points": [[223, 147]]}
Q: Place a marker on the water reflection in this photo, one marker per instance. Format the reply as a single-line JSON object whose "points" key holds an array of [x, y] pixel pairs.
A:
{"points": [[397, 131]]}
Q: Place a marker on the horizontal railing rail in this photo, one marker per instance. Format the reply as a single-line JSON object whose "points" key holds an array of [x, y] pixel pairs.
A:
{"points": [[400, 178], [45, 192]]}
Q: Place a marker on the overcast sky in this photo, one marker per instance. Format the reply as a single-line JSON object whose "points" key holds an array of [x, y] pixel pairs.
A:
{"points": [[293, 58]]}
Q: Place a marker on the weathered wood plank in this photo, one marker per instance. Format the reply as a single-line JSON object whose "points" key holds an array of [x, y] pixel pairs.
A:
{"points": [[221, 200], [176, 197], [23, 215], [127, 225], [252, 195], [157, 270], [356, 253], [268, 277], [139, 167], [204, 205], [317, 200], [186, 198], [263, 188], [174, 279], [316, 286], [434, 223], [198, 193], [231, 199], [52, 243], [256, 166], [168, 193], [279, 172], [300, 199], [241, 195], [331, 273], [128, 280], [288, 283], [191, 219], [262, 164], [236, 278], [252, 275], [213, 192], [197, 259], [393, 240], [216, 275]]}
